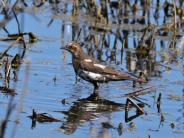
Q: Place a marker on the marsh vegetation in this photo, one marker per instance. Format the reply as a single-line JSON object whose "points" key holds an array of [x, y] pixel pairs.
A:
{"points": [[39, 96]]}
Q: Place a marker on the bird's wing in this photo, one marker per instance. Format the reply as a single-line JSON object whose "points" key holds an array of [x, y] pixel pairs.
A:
{"points": [[110, 73], [98, 68]]}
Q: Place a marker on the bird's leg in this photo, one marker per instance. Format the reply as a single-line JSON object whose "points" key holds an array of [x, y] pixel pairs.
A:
{"points": [[76, 78], [95, 94], [134, 84], [96, 86]]}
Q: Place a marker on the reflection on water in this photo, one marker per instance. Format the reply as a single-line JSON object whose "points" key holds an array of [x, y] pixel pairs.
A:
{"points": [[87, 109], [90, 108], [142, 37]]}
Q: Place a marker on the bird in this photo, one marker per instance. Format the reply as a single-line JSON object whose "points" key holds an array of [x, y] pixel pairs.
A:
{"points": [[91, 70]]}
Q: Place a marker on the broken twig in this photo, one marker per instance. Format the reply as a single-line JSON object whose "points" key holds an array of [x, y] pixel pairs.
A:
{"points": [[140, 92], [129, 100]]}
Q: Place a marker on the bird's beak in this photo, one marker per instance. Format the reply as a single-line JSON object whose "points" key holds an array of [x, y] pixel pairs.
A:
{"points": [[64, 48]]}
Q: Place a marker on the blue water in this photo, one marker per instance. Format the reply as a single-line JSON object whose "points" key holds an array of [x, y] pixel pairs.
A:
{"points": [[44, 61]]}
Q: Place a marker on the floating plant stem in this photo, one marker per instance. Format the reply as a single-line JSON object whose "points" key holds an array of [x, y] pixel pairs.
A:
{"points": [[174, 3]]}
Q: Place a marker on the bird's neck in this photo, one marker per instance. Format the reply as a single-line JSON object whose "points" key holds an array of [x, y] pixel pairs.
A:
{"points": [[79, 56], [76, 60]]}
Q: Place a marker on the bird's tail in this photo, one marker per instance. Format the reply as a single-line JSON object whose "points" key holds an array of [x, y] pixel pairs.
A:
{"points": [[140, 79]]}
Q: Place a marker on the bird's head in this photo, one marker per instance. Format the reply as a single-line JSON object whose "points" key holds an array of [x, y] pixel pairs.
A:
{"points": [[74, 48]]}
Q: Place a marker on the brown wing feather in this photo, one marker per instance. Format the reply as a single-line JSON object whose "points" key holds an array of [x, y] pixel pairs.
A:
{"points": [[110, 73]]}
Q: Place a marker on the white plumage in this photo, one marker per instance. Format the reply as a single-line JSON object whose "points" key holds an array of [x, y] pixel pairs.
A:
{"points": [[87, 60], [87, 75], [100, 66], [94, 76]]}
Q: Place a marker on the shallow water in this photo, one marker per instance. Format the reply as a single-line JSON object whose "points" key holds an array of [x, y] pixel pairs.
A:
{"points": [[46, 80]]}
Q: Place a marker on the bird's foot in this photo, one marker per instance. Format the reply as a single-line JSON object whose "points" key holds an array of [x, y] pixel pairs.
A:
{"points": [[96, 86], [76, 79], [96, 91], [134, 84], [95, 94]]}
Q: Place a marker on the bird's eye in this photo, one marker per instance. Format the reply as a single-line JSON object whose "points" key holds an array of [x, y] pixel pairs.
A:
{"points": [[74, 48], [70, 47]]}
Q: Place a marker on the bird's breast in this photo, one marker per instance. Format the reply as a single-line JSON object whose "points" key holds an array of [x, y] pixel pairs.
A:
{"points": [[91, 76], [76, 64]]}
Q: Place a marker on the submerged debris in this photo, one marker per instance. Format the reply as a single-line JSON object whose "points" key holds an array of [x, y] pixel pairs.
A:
{"points": [[141, 92], [32, 38], [6, 90], [54, 79], [131, 126], [172, 125], [43, 117], [162, 118], [159, 102], [107, 125], [120, 129], [63, 101], [175, 97], [15, 63], [139, 109]]}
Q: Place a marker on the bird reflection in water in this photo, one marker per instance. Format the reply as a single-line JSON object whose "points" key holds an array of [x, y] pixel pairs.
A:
{"points": [[88, 109]]}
